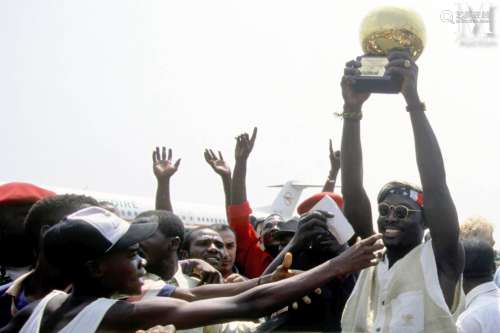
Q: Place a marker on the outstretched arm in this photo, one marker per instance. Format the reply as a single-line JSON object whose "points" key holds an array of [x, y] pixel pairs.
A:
{"points": [[334, 170], [164, 169], [253, 303], [244, 146], [222, 169], [281, 272], [439, 210], [357, 207], [304, 238]]}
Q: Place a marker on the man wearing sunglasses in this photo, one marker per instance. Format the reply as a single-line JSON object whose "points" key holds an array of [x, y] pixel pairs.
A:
{"points": [[416, 286]]}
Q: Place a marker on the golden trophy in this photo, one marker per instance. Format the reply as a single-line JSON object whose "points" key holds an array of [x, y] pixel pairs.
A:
{"points": [[382, 30]]}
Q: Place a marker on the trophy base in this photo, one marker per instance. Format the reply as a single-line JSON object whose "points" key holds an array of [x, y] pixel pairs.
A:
{"points": [[373, 78], [381, 85]]}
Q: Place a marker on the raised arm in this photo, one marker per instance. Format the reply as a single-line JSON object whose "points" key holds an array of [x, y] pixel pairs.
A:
{"points": [[244, 146], [222, 169], [253, 303], [439, 210], [164, 169], [357, 207], [334, 169]]}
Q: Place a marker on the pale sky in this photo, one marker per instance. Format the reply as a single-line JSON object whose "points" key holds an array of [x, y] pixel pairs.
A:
{"points": [[88, 88]]}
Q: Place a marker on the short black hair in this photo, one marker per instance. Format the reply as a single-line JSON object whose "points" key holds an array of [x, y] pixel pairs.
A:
{"points": [[188, 237], [15, 247], [51, 210], [479, 259], [221, 227], [169, 224]]}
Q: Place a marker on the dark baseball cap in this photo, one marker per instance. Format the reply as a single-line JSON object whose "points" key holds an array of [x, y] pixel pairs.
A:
{"points": [[90, 233], [287, 228]]}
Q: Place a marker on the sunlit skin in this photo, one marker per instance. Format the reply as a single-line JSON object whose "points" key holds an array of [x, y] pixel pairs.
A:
{"points": [[122, 270], [405, 233], [439, 214], [266, 229], [161, 254], [208, 245], [229, 240]]}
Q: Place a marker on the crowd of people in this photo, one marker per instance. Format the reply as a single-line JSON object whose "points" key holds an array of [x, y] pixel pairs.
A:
{"points": [[70, 263]]}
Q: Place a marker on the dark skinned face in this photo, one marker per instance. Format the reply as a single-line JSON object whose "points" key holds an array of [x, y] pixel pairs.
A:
{"points": [[266, 230], [324, 244], [401, 232], [229, 240], [122, 271], [317, 244], [208, 245], [160, 254]]}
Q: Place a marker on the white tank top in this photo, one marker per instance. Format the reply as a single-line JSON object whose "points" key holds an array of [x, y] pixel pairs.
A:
{"points": [[86, 321]]}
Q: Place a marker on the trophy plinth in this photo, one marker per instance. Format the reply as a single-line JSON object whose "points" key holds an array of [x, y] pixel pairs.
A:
{"points": [[373, 78], [382, 30]]}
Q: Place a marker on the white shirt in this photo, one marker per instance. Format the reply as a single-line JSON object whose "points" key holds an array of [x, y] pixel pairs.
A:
{"points": [[497, 277], [482, 310]]}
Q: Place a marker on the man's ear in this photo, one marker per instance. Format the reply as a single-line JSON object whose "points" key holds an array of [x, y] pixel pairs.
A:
{"points": [[183, 254], [43, 230], [175, 242], [94, 269]]}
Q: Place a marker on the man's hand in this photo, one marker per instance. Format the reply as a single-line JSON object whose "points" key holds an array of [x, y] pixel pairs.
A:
{"points": [[352, 99], [400, 63], [359, 256], [244, 145], [159, 329], [217, 163], [235, 277], [201, 270], [163, 167], [310, 226], [334, 159], [283, 272]]}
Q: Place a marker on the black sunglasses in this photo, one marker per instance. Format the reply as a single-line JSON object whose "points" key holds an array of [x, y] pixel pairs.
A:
{"points": [[400, 211]]}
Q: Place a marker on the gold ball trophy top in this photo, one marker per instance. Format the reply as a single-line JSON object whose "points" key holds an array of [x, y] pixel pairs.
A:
{"points": [[383, 29]]}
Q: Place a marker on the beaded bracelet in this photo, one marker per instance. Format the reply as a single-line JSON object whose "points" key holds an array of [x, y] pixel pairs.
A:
{"points": [[349, 115]]}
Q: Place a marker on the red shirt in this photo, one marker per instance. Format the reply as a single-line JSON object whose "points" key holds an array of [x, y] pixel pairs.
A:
{"points": [[250, 258]]}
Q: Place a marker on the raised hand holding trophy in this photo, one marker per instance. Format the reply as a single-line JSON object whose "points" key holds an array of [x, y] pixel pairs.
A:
{"points": [[385, 29]]}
